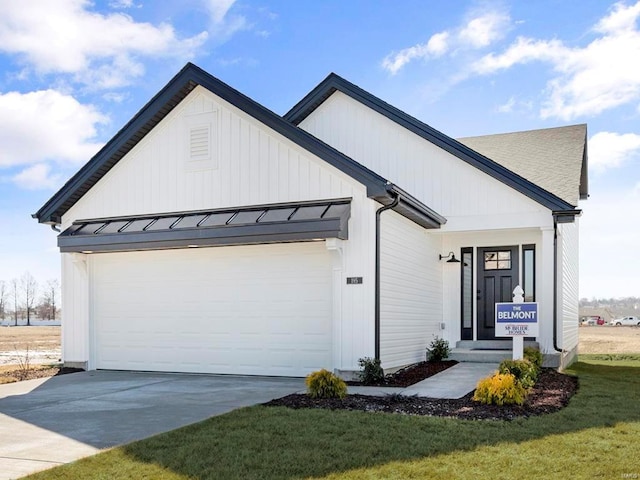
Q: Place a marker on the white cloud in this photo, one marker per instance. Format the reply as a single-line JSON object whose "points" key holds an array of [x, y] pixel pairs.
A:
{"points": [[435, 47], [607, 230], [484, 30], [219, 9], [37, 177], [589, 80], [515, 105], [122, 4], [610, 150], [223, 23], [523, 50], [479, 32], [46, 125], [66, 37]]}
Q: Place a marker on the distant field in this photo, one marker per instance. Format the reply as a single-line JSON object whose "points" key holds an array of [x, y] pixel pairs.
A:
{"points": [[43, 344], [605, 339]]}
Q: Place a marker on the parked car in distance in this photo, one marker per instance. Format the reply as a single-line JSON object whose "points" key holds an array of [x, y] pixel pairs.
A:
{"points": [[592, 320], [633, 321]]}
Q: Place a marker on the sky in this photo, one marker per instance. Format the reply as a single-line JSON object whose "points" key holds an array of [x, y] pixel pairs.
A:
{"points": [[73, 72]]}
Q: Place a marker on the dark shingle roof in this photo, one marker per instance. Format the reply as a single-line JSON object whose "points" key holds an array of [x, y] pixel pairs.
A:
{"points": [[553, 158]]}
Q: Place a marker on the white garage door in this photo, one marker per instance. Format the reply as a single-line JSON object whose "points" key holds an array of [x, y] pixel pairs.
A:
{"points": [[258, 310]]}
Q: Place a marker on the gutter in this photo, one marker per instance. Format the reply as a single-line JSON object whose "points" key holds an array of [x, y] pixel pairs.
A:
{"points": [[555, 286], [396, 200]]}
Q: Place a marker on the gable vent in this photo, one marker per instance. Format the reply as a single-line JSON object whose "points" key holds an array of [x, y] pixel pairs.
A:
{"points": [[199, 142]]}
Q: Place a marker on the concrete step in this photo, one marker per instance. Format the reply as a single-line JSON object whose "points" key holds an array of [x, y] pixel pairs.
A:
{"points": [[492, 344], [479, 356]]}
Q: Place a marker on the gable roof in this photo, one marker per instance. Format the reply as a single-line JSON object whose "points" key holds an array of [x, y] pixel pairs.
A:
{"points": [[554, 158], [378, 188], [489, 166]]}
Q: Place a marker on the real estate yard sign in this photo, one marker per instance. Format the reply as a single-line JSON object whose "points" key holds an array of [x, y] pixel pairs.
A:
{"points": [[517, 319]]}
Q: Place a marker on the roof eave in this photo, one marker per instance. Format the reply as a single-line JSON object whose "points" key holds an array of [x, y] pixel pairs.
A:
{"points": [[334, 82], [159, 106]]}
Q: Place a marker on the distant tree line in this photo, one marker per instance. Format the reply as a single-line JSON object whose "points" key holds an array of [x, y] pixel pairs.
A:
{"points": [[23, 299], [623, 302]]}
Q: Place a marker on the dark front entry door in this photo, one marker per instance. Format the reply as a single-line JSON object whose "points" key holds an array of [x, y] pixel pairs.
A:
{"points": [[497, 277]]}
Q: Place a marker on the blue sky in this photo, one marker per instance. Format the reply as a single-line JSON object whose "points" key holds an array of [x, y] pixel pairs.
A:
{"points": [[73, 72]]}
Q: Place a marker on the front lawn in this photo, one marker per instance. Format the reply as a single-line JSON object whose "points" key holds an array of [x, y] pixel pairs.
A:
{"points": [[596, 436]]}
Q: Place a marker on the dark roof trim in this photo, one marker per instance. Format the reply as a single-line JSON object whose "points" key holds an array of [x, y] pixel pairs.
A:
{"points": [[411, 208], [584, 173], [238, 226], [159, 106], [566, 216], [334, 82]]}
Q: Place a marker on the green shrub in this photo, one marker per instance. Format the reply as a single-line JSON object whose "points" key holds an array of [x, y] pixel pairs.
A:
{"points": [[534, 356], [371, 372], [324, 384], [500, 389], [438, 350], [523, 370]]}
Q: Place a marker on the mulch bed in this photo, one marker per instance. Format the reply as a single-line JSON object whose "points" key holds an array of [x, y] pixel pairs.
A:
{"points": [[32, 373], [412, 374], [550, 394]]}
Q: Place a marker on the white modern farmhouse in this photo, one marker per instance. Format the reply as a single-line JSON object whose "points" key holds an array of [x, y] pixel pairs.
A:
{"points": [[212, 235]]}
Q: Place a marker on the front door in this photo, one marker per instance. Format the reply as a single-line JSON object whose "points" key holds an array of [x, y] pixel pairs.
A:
{"points": [[497, 277]]}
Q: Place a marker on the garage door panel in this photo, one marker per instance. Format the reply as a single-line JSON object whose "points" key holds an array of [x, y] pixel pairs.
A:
{"points": [[249, 310]]}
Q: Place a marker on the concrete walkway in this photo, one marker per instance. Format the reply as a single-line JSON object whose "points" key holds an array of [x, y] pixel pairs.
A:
{"points": [[48, 422], [454, 382]]}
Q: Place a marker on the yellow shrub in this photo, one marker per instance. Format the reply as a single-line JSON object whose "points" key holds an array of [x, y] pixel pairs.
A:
{"points": [[500, 389], [324, 384]]}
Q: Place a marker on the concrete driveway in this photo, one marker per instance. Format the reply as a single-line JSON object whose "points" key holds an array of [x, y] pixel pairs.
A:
{"points": [[48, 422]]}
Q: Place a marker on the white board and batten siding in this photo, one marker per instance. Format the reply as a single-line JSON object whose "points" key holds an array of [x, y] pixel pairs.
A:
{"points": [[410, 290], [245, 163], [568, 284], [467, 197]]}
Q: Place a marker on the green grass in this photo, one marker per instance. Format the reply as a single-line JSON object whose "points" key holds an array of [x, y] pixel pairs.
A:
{"points": [[596, 436]]}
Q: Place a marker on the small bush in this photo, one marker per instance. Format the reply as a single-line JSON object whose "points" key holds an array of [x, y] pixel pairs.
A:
{"points": [[324, 384], [523, 370], [534, 356], [371, 372], [438, 350], [500, 389]]}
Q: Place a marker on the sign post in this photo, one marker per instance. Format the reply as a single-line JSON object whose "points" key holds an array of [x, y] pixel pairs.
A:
{"points": [[518, 319]]}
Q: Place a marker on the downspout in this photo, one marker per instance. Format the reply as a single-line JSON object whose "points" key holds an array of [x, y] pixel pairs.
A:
{"points": [[55, 228], [393, 204], [555, 285]]}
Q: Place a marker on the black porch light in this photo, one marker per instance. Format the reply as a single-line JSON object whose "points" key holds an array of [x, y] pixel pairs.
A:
{"points": [[451, 256]]}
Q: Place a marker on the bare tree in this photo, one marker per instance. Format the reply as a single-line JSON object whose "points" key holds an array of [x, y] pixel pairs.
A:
{"points": [[48, 306], [29, 288], [3, 300], [14, 294]]}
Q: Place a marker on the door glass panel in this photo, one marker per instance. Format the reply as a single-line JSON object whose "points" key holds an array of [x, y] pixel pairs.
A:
{"points": [[499, 260], [467, 290]]}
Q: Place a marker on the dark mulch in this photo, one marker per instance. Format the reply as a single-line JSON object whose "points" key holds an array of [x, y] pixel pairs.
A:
{"points": [[38, 372], [551, 393], [413, 374]]}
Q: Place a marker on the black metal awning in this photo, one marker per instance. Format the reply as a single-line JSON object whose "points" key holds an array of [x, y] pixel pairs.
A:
{"points": [[283, 222]]}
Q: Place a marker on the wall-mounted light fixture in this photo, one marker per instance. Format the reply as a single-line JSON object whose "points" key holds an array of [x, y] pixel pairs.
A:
{"points": [[451, 256]]}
